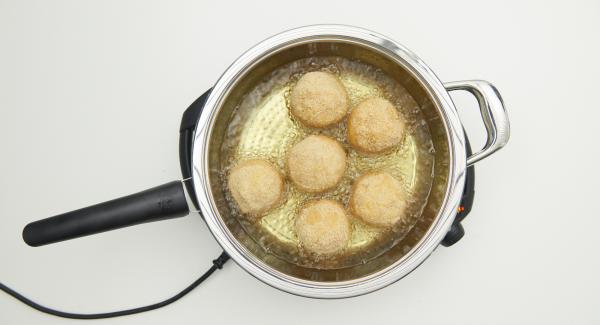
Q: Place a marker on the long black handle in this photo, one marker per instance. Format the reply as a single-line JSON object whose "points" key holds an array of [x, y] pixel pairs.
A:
{"points": [[162, 202]]}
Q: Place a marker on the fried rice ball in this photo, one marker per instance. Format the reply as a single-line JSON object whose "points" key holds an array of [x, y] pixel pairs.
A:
{"points": [[375, 126], [316, 164], [319, 99], [256, 186], [378, 199], [323, 227]]}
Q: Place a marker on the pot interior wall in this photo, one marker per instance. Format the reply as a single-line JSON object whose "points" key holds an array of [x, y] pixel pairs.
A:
{"points": [[395, 69]]}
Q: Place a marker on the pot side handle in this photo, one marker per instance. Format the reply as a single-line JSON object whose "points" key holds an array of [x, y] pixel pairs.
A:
{"points": [[493, 114], [158, 203]]}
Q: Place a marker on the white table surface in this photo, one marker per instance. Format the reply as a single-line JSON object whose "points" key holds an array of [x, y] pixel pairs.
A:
{"points": [[91, 94]]}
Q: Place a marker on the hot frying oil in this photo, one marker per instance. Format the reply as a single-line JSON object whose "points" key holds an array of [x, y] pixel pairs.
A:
{"points": [[262, 127]]}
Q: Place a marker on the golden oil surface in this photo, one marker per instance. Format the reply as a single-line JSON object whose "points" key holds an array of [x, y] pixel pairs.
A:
{"points": [[262, 127]]}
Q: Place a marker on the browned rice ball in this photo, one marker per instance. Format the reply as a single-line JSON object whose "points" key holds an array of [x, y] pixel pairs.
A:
{"points": [[316, 164], [378, 199], [319, 99], [375, 126], [323, 227], [256, 186]]}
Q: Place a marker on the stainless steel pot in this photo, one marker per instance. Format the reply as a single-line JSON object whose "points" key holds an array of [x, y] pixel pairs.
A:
{"points": [[425, 87], [405, 67]]}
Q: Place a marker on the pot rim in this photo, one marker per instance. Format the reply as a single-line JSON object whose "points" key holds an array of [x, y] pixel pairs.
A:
{"points": [[454, 187]]}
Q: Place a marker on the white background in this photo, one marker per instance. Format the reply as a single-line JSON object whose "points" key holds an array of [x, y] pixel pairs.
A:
{"points": [[91, 95]]}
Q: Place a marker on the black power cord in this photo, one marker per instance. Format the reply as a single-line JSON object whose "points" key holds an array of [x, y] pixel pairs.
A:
{"points": [[217, 264]]}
